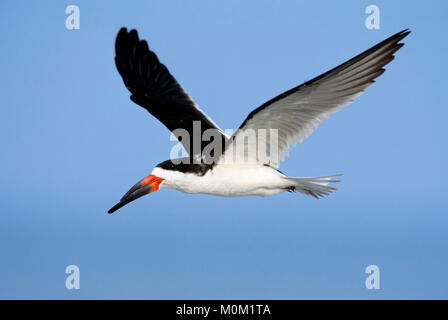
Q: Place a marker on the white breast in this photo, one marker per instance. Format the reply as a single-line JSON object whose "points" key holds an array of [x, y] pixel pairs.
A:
{"points": [[226, 180]]}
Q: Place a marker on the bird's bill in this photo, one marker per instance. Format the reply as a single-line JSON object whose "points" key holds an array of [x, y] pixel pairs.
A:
{"points": [[147, 185]]}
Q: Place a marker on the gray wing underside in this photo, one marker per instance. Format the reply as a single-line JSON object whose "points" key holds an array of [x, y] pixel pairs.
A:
{"points": [[296, 113]]}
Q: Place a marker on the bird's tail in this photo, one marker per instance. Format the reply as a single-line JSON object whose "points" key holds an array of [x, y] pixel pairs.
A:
{"points": [[316, 187]]}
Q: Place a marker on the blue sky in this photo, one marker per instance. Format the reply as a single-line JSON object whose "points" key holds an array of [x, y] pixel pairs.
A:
{"points": [[72, 143]]}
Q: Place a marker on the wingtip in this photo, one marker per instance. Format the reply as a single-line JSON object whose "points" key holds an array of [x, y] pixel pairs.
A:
{"points": [[133, 34], [402, 34], [122, 32], [395, 38], [406, 31]]}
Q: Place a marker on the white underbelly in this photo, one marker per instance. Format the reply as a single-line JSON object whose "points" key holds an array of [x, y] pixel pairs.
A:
{"points": [[230, 181]]}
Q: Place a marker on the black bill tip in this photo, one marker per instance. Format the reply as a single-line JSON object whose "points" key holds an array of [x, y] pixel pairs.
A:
{"points": [[116, 207], [129, 197]]}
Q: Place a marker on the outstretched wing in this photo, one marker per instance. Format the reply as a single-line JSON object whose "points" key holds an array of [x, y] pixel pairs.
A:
{"points": [[155, 89], [297, 113]]}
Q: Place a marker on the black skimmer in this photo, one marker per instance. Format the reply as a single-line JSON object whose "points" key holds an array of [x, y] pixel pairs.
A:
{"points": [[293, 115]]}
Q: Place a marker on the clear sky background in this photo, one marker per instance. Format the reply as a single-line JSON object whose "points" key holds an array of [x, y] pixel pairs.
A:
{"points": [[72, 143]]}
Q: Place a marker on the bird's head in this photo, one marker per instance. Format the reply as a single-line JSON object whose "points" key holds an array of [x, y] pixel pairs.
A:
{"points": [[147, 185], [170, 173]]}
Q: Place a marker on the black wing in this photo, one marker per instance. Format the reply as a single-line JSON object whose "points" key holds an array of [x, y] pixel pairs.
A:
{"points": [[155, 89]]}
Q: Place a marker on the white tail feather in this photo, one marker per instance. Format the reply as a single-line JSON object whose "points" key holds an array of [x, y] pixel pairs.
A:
{"points": [[313, 186]]}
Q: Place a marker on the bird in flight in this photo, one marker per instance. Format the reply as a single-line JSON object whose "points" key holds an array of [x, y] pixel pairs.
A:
{"points": [[290, 118]]}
